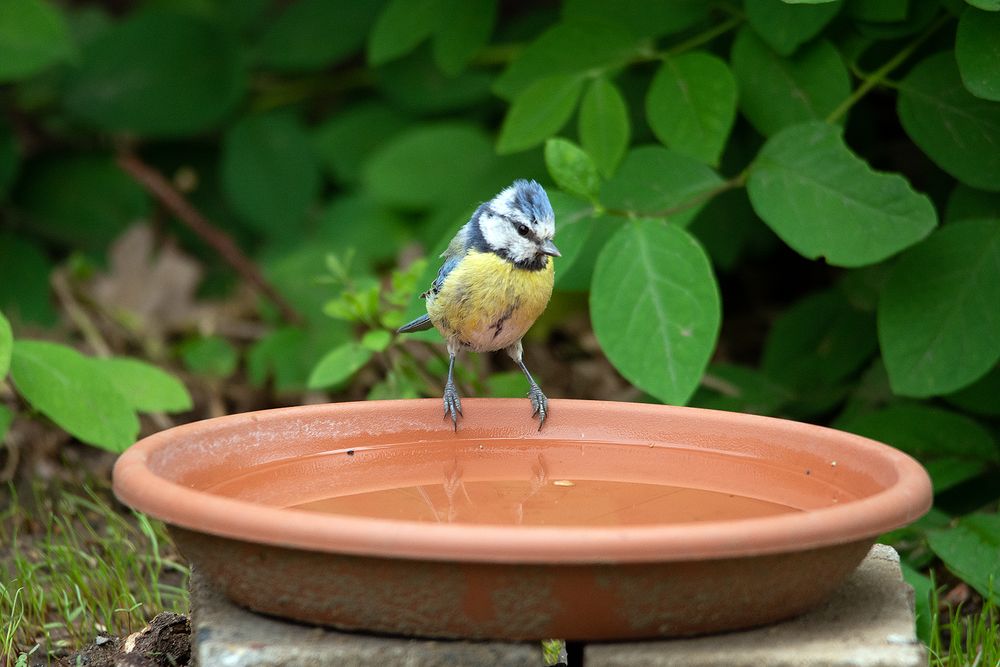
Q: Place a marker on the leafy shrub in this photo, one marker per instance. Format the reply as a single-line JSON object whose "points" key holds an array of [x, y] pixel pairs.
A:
{"points": [[789, 209]]}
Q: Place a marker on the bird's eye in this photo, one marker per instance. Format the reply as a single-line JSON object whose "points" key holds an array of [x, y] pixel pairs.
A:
{"points": [[522, 229]]}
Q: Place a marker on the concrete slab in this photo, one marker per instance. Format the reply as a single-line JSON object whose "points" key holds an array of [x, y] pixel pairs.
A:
{"points": [[867, 623], [226, 635]]}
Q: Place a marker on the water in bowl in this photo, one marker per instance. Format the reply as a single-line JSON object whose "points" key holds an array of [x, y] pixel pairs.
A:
{"points": [[558, 502]]}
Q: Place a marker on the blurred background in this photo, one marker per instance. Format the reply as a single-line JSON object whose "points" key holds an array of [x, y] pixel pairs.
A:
{"points": [[213, 206]]}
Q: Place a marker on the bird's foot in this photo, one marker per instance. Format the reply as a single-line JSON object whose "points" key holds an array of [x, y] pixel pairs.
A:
{"points": [[452, 403], [539, 404]]}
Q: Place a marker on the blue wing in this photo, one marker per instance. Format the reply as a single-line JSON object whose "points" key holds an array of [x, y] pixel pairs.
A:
{"points": [[446, 268]]}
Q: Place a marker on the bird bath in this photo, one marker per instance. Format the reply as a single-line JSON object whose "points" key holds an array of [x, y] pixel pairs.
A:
{"points": [[616, 521]]}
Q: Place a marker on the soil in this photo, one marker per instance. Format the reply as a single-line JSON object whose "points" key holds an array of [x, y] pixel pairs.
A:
{"points": [[165, 642]]}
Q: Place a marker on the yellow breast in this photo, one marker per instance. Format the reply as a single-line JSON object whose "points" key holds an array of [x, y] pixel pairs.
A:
{"points": [[487, 303]]}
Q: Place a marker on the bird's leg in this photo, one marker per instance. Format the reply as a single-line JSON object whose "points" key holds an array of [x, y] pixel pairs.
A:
{"points": [[539, 403], [452, 404]]}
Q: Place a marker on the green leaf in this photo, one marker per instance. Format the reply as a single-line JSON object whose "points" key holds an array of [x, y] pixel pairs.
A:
{"points": [[576, 48], [965, 203], [571, 168], [6, 346], [878, 11], [465, 27], [824, 201], [776, 92], [83, 201], [986, 5], [977, 50], [918, 15], [922, 587], [604, 125], [427, 165], [819, 341], [269, 174], [417, 85], [356, 221], [586, 239], [957, 130], [641, 17], [506, 384], [728, 229], [400, 27], [6, 419], [575, 220], [655, 308], [33, 36], [953, 447], [691, 105], [24, 281], [376, 340], [740, 389], [786, 27], [655, 182], [940, 310], [303, 36], [290, 353], [348, 136], [539, 112], [145, 387], [980, 397], [9, 157], [158, 74], [61, 383], [970, 551], [212, 356], [339, 364]]}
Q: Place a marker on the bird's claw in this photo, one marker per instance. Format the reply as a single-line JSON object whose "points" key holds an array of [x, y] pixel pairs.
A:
{"points": [[539, 404], [452, 404]]}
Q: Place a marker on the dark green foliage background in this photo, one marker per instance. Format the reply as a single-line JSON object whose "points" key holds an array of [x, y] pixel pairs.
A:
{"points": [[788, 209]]}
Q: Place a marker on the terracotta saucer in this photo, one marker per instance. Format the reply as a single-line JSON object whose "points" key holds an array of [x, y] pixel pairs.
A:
{"points": [[615, 521]]}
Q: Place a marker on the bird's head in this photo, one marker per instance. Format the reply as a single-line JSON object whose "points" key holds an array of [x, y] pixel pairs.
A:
{"points": [[518, 224]]}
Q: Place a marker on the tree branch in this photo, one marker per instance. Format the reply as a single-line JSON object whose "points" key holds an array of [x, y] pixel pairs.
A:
{"points": [[157, 185]]}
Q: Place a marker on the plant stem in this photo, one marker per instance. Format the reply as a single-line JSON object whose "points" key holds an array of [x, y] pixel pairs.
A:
{"points": [[703, 37], [498, 54], [157, 185], [879, 75], [737, 181], [79, 316]]}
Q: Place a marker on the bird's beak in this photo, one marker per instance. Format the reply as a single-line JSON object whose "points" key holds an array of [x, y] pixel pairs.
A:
{"points": [[549, 248]]}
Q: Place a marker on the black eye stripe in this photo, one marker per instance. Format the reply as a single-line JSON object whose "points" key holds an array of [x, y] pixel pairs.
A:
{"points": [[515, 224]]}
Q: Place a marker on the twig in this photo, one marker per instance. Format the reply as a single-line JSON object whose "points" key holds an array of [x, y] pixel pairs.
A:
{"points": [[79, 316], [704, 37], [879, 75], [737, 181], [157, 185]]}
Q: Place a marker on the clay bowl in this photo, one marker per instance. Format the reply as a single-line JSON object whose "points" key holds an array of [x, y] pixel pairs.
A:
{"points": [[616, 521]]}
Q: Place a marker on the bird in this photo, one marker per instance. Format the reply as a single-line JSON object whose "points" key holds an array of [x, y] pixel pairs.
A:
{"points": [[495, 281]]}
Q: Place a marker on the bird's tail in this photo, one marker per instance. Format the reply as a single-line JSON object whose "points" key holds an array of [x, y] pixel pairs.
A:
{"points": [[422, 323]]}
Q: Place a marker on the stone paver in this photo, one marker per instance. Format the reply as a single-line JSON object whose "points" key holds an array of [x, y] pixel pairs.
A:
{"points": [[867, 623], [224, 635]]}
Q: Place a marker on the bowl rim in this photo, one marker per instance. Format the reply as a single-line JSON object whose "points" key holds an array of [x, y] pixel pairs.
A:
{"points": [[136, 485]]}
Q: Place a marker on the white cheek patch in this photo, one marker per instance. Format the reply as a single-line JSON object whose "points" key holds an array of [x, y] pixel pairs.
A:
{"points": [[522, 249], [494, 230]]}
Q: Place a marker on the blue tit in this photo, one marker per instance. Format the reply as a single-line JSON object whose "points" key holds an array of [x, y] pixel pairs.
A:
{"points": [[495, 281]]}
